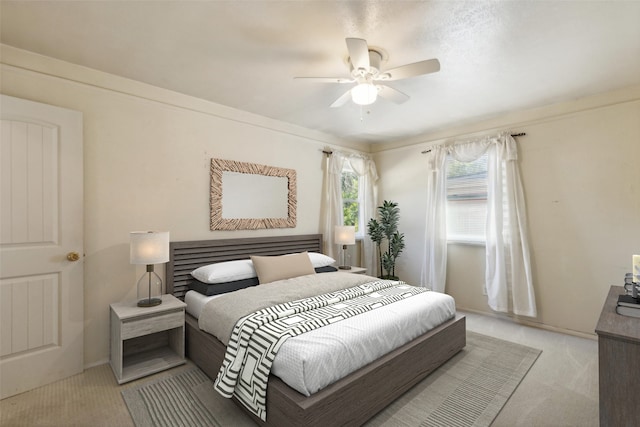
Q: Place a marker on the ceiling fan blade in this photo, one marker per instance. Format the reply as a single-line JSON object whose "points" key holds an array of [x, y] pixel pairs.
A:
{"points": [[412, 70], [358, 53], [325, 79], [342, 100], [392, 94]]}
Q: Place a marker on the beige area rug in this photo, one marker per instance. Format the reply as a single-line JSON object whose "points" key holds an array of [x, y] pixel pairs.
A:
{"points": [[469, 390]]}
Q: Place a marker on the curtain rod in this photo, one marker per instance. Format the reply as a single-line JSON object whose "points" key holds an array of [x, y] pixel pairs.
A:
{"points": [[354, 154], [513, 135], [328, 153]]}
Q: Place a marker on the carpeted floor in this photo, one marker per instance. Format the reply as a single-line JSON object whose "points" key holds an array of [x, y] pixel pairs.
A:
{"points": [[561, 389], [469, 390]]}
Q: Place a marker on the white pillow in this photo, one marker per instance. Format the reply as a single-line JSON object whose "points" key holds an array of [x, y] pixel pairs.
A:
{"points": [[225, 271], [320, 260], [243, 269]]}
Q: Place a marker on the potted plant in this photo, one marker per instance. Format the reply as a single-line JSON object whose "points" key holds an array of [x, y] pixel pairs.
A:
{"points": [[387, 228]]}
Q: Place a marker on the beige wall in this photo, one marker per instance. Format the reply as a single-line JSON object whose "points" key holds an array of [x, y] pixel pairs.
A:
{"points": [[146, 163], [582, 188], [146, 159]]}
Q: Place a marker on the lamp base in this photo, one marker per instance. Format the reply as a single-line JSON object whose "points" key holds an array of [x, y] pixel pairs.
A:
{"points": [[344, 267], [149, 302]]}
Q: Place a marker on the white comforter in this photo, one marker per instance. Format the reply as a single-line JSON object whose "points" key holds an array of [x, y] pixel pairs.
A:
{"points": [[310, 362]]}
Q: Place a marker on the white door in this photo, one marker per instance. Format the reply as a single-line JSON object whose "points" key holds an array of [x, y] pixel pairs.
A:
{"points": [[41, 286]]}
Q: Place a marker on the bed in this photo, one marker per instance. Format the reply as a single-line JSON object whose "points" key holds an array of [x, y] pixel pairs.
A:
{"points": [[350, 401]]}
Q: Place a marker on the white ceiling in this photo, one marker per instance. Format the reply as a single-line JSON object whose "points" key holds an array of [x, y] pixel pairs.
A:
{"points": [[496, 56]]}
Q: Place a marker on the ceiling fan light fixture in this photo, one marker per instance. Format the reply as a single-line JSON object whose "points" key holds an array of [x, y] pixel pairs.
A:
{"points": [[364, 94]]}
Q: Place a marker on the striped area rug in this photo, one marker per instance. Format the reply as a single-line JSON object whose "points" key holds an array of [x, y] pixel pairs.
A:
{"points": [[469, 390], [173, 401]]}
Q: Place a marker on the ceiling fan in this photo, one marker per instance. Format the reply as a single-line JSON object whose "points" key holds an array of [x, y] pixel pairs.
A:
{"points": [[364, 64]]}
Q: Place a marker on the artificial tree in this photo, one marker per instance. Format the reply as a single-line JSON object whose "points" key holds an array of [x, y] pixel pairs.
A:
{"points": [[387, 228]]}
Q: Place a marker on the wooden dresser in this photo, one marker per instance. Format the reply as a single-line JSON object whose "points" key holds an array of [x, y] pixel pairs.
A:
{"points": [[619, 364]]}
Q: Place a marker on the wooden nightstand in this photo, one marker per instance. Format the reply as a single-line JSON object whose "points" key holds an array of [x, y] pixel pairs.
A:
{"points": [[355, 270], [146, 340]]}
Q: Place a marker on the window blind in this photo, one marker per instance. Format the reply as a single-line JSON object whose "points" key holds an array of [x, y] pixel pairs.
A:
{"points": [[466, 200]]}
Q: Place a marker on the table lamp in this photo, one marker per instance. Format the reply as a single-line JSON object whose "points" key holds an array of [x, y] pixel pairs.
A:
{"points": [[150, 248], [344, 235]]}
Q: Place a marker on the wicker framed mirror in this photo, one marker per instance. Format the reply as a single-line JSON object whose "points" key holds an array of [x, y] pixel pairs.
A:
{"points": [[250, 196]]}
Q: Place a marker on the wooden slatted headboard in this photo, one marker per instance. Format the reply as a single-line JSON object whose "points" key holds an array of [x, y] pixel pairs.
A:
{"points": [[187, 256]]}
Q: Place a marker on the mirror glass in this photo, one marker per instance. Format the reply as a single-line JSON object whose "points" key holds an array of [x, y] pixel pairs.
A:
{"points": [[254, 196]]}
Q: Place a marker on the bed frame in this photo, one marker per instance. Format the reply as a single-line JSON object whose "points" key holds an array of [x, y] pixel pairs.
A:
{"points": [[350, 401]]}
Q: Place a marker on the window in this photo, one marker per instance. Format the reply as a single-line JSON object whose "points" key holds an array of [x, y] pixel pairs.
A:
{"points": [[466, 200], [351, 199]]}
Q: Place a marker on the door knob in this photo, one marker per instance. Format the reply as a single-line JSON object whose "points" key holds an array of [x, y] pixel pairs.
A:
{"points": [[73, 256]]}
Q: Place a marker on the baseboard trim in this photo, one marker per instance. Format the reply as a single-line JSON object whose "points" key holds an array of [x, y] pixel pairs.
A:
{"points": [[524, 322], [94, 364]]}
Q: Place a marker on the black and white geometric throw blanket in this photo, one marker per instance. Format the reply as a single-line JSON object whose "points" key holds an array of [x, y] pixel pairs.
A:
{"points": [[256, 338]]}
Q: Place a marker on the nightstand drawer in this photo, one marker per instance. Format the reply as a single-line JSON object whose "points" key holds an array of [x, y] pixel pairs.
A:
{"points": [[148, 325]]}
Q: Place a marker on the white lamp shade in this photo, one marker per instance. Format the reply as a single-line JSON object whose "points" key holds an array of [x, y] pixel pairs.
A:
{"points": [[344, 235], [149, 247], [364, 94]]}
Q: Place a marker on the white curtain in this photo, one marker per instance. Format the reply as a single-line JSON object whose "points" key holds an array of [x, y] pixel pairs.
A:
{"points": [[508, 278], [368, 194], [434, 265], [331, 208], [332, 213]]}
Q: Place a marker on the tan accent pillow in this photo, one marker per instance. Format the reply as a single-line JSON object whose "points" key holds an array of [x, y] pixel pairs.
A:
{"points": [[272, 268]]}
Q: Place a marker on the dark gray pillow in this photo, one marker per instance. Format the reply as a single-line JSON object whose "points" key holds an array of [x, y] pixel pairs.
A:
{"points": [[222, 288]]}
